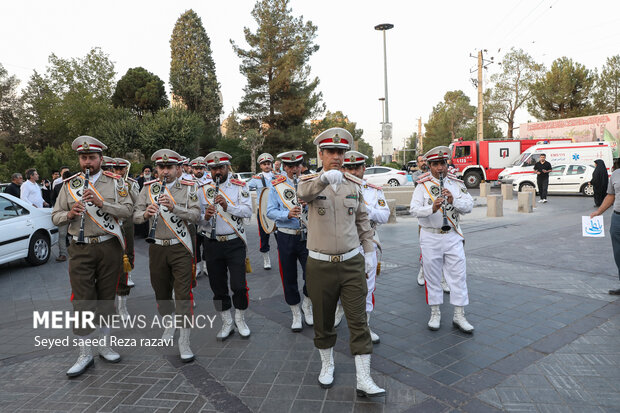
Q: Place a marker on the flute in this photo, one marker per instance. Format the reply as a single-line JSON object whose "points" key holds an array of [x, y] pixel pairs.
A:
{"points": [[446, 225], [214, 221], [151, 238], [80, 239]]}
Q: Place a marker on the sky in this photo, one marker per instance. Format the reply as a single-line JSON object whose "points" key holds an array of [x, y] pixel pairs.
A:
{"points": [[428, 50]]}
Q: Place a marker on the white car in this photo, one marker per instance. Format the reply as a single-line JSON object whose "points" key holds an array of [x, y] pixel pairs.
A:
{"points": [[243, 176], [382, 175], [25, 231], [563, 178]]}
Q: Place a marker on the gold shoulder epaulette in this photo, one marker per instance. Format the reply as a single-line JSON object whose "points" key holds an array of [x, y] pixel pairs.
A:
{"points": [[374, 186], [454, 178], [151, 182], [237, 182], [278, 180], [112, 175], [353, 178], [308, 176], [424, 179], [131, 180], [71, 177], [186, 182], [256, 177]]}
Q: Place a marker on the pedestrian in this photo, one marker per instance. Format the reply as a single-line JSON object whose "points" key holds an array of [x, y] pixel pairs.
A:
{"points": [[145, 176], [277, 167], [285, 209], [201, 178], [378, 214], [337, 224], [172, 203], [30, 191], [612, 198], [438, 202], [542, 168], [62, 229], [57, 181], [14, 187], [259, 183], [92, 209], [227, 203], [600, 181]]}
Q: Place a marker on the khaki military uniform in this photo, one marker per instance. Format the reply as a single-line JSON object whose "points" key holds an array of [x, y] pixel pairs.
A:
{"points": [[337, 223], [94, 267], [170, 261], [133, 189]]}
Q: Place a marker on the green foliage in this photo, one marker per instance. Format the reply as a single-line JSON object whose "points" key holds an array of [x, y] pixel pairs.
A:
{"points": [[141, 91], [120, 130], [19, 160], [607, 93], [9, 129], [448, 119], [241, 161], [394, 165], [192, 69], [51, 159], [174, 128], [563, 92]]}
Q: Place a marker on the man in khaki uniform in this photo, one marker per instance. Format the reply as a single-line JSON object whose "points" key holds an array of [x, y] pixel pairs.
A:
{"points": [[125, 283], [95, 254], [337, 223], [175, 204]]}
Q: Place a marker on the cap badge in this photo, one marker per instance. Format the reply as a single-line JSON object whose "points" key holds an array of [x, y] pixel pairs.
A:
{"points": [[336, 138], [85, 146], [164, 157], [216, 159]]}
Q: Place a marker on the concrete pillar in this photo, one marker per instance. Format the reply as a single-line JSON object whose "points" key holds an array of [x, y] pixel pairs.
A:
{"points": [[533, 191], [392, 205], [495, 206], [485, 188], [524, 202], [507, 191]]}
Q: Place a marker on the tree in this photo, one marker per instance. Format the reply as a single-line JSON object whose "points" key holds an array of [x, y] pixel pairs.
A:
{"points": [[448, 119], [563, 92], [253, 141], [175, 128], [279, 93], [140, 91], [192, 70], [512, 87], [121, 131], [231, 126], [607, 93], [9, 103]]}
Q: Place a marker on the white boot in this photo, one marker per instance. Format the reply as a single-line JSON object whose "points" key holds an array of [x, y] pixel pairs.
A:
{"points": [[306, 306], [297, 325], [338, 315], [421, 276], [121, 307], [365, 384], [105, 352], [242, 327], [266, 261], [84, 361], [130, 282], [169, 330], [184, 350], [444, 285], [326, 376], [460, 321], [435, 320], [374, 337], [227, 326]]}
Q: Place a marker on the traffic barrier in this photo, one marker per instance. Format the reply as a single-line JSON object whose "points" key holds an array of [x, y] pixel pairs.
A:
{"points": [[533, 191], [524, 202], [495, 206], [485, 189], [392, 205], [507, 191]]}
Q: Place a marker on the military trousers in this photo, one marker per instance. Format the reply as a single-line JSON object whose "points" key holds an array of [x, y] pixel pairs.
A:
{"points": [[94, 270], [123, 288], [171, 270], [327, 283], [263, 245], [290, 250], [223, 258]]}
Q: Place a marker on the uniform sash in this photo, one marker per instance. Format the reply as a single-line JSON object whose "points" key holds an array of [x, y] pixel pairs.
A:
{"points": [[235, 223], [172, 221], [288, 197], [453, 216]]}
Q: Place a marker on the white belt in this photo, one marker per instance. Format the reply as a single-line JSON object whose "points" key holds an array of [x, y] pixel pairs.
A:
{"points": [[290, 231], [222, 238], [334, 258], [436, 230], [94, 240], [166, 242]]}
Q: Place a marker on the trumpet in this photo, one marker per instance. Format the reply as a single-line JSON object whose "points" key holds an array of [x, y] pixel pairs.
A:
{"points": [[151, 238], [446, 225], [214, 219], [80, 239], [302, 227]]}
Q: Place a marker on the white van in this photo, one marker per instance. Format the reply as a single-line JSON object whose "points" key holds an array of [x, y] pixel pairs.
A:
{"points": [[565, 159]]}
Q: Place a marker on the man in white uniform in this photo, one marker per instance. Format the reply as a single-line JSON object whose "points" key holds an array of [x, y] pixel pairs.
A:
{"points": [[441, 240]]}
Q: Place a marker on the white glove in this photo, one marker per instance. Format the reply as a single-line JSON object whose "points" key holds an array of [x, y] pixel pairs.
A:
{"points": [[369, 261], [333, 177]]}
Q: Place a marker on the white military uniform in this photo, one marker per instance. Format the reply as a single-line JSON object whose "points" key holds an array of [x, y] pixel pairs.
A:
{"points": [[442, 251]]}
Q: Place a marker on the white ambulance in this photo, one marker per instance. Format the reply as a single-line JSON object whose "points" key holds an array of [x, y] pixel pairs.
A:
{"points": [[572, 166]]}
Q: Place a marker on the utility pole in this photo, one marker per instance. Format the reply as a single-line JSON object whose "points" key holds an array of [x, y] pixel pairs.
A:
{"points": [[386, 129], [482, 64], [419, 143]]}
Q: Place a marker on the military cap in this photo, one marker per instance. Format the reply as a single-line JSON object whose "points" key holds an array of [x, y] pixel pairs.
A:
{"points": [[88, 144], [197, 162], [108, 162], [184, 160], [291, 156], [217, 158], [166, 157], [265, 157], [438, 153], [334, 138], [354, 158], [121, 163]]}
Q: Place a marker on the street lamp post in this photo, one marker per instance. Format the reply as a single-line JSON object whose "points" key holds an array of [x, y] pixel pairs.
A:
{"points": [[386, 130]]}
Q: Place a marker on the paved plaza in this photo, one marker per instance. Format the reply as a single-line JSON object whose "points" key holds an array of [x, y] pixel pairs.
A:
{"points": [[547, 334]]}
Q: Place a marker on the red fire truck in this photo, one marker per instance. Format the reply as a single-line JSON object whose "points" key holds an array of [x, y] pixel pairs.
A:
{"points": [[477, 161]]}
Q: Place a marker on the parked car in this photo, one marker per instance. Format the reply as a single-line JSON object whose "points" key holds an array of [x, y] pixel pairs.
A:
{"points": [[564, 178], [383, 175], [243, 176], [25, 231]]}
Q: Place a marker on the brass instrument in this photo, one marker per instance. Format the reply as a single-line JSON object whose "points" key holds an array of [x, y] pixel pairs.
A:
{"points": [[214, 219], [302, 227], [446, 225], [151, 238], [80, 239]]}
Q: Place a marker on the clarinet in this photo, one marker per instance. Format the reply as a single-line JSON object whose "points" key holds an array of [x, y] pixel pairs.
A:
{"points": [[214, 221], [446, 224], [302, 228], [80, 239], [151, 238]]}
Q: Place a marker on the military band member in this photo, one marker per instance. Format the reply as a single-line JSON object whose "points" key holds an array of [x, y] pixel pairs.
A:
{"points": [[442, 249], [378, 213], [259, 182], [172, 203], [96, 250], [227, 204], [186, 169], [125, 283], [286, 210], [108, 164], [337, 223], [200, 177]]}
